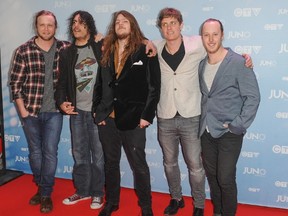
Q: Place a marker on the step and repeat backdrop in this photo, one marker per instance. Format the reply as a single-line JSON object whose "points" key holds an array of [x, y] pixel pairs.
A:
{"points": [[257, 27]]}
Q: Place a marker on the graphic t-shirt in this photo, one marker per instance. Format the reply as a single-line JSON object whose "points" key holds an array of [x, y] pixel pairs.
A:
{"points": [[85, 71]]}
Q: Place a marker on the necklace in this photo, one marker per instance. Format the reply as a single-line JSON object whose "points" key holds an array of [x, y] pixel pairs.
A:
{"points": [[171, 52]]}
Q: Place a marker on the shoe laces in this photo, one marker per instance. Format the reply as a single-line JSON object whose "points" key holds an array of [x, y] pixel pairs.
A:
{"points": [[96, 200], [74, 197]]}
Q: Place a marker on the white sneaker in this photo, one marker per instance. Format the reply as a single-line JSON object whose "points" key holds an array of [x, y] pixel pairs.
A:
{"points": [[74, 199], [96, 202]]}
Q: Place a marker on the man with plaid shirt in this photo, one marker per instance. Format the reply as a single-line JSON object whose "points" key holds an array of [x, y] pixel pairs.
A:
{"points": [[34, 75]]}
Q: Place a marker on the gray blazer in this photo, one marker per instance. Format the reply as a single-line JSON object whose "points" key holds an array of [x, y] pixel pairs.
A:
{"points": [[234, 97]]}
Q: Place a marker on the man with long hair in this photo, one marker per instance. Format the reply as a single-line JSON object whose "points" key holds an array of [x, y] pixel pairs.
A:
{"points": [[34, 75], [126, 94], [78, 69]]}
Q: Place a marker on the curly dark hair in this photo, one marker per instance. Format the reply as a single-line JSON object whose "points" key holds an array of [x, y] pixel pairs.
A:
{"points": [[86, 18]]}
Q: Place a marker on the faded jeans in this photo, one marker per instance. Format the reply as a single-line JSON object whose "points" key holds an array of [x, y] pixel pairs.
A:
{"points": [[88, 169], [43, 135], [183, 131]]}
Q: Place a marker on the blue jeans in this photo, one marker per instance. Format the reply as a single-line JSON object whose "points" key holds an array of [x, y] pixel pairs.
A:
{"points": [[43, 135], [220, 156], [133, 142], [183, 131], [88, 169]]}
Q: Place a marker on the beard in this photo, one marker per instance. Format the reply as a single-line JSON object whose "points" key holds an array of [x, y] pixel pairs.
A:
{"points": [[46, 38], [122, 36]]}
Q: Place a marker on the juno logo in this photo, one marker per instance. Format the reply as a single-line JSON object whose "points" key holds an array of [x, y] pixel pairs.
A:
{"points": [[67, 169], [255, 136], [254, 171], [282, 199], [239, 35], [278, 94], [283, 48]]}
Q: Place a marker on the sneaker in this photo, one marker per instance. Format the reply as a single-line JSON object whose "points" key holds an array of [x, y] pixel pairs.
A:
{"points": [[74, 199], [96, 202]]}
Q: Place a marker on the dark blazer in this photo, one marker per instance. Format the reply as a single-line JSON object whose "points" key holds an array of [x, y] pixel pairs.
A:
{"points": [[133, 96], [233, 99], [66, 87]]}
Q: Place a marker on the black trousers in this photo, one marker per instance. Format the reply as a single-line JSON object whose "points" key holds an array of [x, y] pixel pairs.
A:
{"points": [[133, 142], [220, 156]]}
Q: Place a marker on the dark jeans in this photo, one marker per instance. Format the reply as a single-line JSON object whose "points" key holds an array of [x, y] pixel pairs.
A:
{"points": [[88, 169], [133, 142], [43, 135], [220, 156]]}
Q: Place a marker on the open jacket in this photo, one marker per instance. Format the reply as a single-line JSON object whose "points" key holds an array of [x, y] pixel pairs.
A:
{"points": [[233, 99], [66, 88], [134, 95]]}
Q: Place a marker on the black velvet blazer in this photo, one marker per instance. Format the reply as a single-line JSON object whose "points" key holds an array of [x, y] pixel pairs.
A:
{"points": [[133, 96]]}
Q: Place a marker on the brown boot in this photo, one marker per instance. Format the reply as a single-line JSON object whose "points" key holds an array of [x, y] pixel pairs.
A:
{"points": [[36, 199], [46, 204]]}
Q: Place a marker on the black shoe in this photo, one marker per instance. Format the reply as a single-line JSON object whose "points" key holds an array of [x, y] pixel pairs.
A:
{"points": [[36, 199], [108, 209], [198, 212], [147, 212], [46, 204], [173, 207]]}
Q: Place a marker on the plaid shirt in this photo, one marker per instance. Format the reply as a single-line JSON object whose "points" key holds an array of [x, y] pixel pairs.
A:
{"points": [[28, 74]]}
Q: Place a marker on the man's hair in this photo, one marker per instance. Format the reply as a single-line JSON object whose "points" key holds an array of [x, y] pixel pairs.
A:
{"points": [[87, 19], [211, 20], [135, 39], [167, 13], [44, 12]]}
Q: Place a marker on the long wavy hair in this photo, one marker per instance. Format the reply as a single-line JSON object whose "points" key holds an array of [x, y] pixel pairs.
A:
{"points": [[135, 38], [86, 18]]}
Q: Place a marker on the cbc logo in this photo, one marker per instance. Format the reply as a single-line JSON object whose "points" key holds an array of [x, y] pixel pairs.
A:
{"points": [[282, 115], [246, 12], [281, 184], [280, 149], [250, 154]]}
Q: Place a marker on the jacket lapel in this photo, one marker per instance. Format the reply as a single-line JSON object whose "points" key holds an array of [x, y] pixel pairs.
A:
{"points": [[128, 64], [220, 73], [204, 87]]}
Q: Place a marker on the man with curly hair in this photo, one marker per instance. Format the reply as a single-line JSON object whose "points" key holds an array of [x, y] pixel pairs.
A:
{"points": [[78, 68]]}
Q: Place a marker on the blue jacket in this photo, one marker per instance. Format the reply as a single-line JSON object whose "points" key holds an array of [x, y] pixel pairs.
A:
{"points": [[233, 99]]}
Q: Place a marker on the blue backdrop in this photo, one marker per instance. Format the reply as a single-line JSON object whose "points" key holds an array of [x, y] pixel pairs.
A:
{"points": [[257, 27]]}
